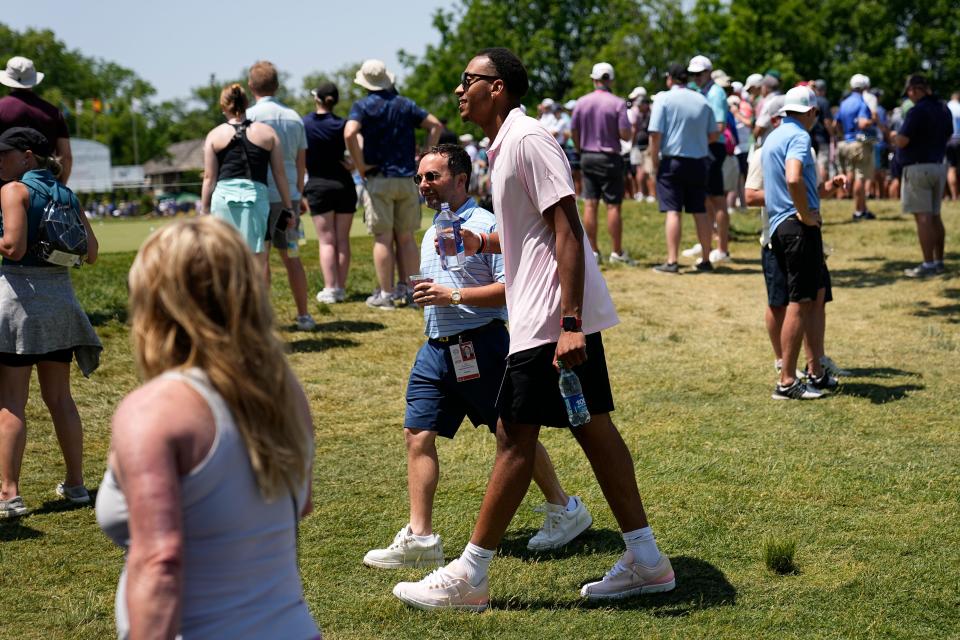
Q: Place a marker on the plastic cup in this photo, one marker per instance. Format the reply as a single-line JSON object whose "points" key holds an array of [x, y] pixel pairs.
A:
{"points": [[417, 278]]}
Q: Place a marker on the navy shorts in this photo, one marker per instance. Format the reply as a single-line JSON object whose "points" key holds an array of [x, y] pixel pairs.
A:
{"points": [[682, 184], [799, 252], [718, 154], [776, 280], [573, 158], [530, 393], [952, 153], [437, 402]]}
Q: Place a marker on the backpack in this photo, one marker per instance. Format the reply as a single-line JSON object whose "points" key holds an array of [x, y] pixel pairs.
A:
{"points": [[62, 239]]}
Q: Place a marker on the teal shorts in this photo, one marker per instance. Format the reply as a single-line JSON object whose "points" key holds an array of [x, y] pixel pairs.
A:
{"points": [[246, 205]]}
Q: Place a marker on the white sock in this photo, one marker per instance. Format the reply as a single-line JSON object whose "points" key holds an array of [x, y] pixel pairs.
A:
{"points": [[572, 503], [643, 546], [475, 561], [427, 539]]}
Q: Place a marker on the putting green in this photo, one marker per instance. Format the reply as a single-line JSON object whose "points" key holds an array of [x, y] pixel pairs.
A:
{"points": [[118, 235]]}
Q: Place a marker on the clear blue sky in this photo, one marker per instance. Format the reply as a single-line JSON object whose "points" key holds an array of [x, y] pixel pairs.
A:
{"points": [[176, 44]]}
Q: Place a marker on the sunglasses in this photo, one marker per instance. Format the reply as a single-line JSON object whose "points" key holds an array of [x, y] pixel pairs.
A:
{"points": [[429, 176], [467, 79]]}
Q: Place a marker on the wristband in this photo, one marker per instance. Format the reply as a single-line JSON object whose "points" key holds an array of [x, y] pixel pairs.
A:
{"points": [[483, 243]]}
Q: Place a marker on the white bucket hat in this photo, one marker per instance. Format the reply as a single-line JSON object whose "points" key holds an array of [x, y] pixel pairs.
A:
{"points": [[20, 73], [373, 75]]}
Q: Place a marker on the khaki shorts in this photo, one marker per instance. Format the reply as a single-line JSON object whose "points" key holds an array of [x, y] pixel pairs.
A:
{"points": [[641, 158], [391, 204], [921, 188], [856, 157]]}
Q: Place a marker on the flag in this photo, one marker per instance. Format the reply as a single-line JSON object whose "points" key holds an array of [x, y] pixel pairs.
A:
{"points": [[97, 105]]}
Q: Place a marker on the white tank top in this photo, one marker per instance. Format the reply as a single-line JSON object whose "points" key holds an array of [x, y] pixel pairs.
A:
{"points": [[241, 579]]}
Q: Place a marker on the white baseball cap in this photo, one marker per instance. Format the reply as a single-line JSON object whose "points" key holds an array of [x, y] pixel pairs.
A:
{"points": [[699, 64], [466, 138], [797, 100], [859, 81], [569, 105], [547, 103], [602, 69], [737, 86], [638, 92], [753, 80]]}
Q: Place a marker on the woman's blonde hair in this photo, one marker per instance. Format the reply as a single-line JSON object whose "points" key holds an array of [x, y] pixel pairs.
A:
{"points": [[197, 299], [233, 100]]}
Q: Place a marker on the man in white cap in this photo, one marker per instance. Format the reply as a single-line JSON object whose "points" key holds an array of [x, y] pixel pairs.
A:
{"points": [[639, 117], [387, 164], [700, 68], [24, 108], [548, 116], [598, 125], [792, 200], [855, 151]]}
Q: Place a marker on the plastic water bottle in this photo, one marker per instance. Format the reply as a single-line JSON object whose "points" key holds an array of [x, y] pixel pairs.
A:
{"points": [[573, 399], [293, 243], [449, 239]]}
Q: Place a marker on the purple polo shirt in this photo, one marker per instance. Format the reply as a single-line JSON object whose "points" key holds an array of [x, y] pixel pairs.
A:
{"points": [[598, 117], [24, 108]]}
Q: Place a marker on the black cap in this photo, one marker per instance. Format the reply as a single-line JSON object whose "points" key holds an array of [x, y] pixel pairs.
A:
{"points": [[25, 139], [326, 89], [915, 80]]}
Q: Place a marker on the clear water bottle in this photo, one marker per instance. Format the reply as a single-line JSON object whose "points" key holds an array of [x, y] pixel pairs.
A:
{"points": [[293, 243], [573, 399], [449, 239]]}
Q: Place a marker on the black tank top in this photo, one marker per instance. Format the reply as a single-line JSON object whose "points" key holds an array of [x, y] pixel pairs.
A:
{"points": [[243, 159]]}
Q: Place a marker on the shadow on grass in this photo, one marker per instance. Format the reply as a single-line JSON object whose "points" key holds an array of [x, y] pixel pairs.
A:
{"points": [[103, 316], [590, 542], [890, 272], [951, 311], [350, 326], [316, 345], [700, 586], [877, 393], [14, 529], [62, 505], [880, 372]]}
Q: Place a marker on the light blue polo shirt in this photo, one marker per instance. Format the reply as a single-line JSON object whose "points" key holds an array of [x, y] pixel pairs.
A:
{"points": [[717, 99], [684, 120], [478, 271], [789, 141], [293, 137]]}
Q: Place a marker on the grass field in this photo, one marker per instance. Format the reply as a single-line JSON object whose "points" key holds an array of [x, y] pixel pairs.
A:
{"points": [[866, 483]]}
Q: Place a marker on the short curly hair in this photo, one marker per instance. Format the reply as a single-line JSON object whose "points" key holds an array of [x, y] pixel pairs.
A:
{"points": [[510, 70], [458, 161]]}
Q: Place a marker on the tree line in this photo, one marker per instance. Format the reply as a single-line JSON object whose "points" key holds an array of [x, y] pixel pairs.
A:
{"points": [[559, 41]]}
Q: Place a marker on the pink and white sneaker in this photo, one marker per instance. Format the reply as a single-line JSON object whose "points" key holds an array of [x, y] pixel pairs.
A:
{"points": [[629, 578], [445, 588]]}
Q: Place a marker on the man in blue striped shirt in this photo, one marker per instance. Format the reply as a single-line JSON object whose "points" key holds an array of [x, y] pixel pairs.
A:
{"points": [[457, 372]]}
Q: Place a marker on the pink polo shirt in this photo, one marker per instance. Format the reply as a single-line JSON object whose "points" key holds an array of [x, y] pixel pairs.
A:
{"points": [[529, 174]]}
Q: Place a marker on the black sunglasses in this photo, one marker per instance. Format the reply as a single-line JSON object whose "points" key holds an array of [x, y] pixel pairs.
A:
{"points": [[467, 79], [429, 176]]}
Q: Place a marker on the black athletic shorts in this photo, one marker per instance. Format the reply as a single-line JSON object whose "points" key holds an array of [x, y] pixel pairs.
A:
{"points": [[530, 391], [799, 251], [573, 158], [776, 280], [742, 161], [953, 153], [325, 195], [30, 359], [682, 184], [718, 153], [602, 176]]}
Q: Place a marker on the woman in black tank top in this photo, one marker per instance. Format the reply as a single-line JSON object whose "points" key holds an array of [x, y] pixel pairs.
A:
{"points": [[237, 156]]}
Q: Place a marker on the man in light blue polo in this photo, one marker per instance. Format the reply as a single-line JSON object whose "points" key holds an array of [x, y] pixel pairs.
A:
{"points": [[681, 129], [288, 124], [792, 200]]}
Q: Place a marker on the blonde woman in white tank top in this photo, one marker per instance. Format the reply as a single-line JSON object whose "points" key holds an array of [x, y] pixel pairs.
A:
{"points": [[211, 458]]}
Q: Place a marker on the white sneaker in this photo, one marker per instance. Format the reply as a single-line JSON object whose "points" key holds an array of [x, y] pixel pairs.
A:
{"points": [[622, 258], [629, 578], [406, 551], [559, 525], [379, 301], [445, 588], [306, 323], [327, 296], [693, 252], [717, 256], [340, 294], [651, 199]]}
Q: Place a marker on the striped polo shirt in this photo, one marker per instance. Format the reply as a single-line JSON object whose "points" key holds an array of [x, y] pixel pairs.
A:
{"points": [[478, 271]]}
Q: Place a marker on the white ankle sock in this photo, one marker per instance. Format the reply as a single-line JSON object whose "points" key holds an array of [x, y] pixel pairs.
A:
{"points": [[572, 503], [475, 561], [427, 539], [643, 546]]}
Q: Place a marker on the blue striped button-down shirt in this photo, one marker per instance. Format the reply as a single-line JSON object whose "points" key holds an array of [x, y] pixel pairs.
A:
{"points": [[478, 271]]}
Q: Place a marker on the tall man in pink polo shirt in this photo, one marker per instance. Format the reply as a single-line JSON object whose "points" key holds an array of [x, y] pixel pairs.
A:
{"points": [[598, 125], [558, 304]]}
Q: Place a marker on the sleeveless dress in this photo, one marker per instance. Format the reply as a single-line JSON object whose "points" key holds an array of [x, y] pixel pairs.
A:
{"points": [[241, 196], [240, 575]]}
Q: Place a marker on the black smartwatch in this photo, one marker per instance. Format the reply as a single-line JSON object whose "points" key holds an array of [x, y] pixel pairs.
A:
{"points": [[571, 323]]}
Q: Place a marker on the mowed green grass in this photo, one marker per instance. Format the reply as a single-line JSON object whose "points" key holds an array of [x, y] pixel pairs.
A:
{"points": [[866, 483]]}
